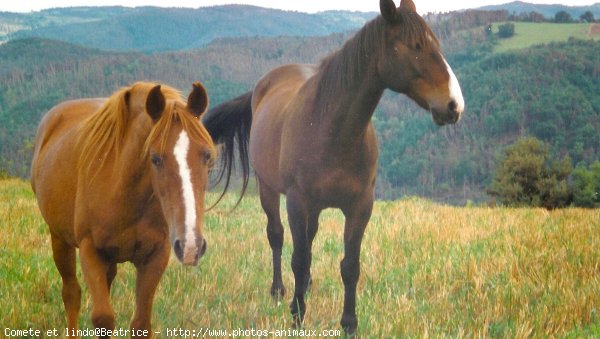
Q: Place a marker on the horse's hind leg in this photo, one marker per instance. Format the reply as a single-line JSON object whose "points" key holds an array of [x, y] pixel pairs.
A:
{"points": [[269, 200], [64, 258]]}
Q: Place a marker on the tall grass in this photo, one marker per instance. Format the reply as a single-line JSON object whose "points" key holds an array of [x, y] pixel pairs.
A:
{"points": [[428, 270]]}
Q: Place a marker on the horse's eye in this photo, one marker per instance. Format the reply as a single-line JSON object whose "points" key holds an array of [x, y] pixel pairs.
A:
{"points": [[157, 160], [206, 156], [418, 47]]}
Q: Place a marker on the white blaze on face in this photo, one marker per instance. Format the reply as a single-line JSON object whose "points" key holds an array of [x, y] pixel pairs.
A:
{"points": [[189, 201], [454, 89]]}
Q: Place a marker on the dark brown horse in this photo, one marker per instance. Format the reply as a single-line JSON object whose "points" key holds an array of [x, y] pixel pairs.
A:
{"points": [[118, 178], [307, 131]]}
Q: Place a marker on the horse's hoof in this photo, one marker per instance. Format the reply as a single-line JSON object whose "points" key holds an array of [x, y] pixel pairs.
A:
{"points": [[105, 321], [351, 335], [277, 292], [298, 309], [349, 324], [297, 321]]}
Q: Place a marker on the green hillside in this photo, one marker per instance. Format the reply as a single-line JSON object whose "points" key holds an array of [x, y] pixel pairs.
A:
{"points": [[507, 97], [546, 90], [528, 34]]}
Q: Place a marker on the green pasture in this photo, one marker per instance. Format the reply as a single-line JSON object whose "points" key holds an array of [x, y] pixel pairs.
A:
{"points": [[528, 34]]}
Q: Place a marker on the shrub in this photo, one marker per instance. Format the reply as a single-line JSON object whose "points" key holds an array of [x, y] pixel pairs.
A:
{"points": [[587, 17], [528, 176], [563, 17], [506, 30]]}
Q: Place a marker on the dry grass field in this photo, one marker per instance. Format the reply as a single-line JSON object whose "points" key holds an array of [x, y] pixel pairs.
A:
{"points": [[428, 270]]}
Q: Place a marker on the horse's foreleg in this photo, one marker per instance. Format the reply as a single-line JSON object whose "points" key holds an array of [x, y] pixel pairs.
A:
{"points": [[269, 200], [96, 270], [313, 227], [357, 218], [149, 273], [111, 274], [297, 215], [64, 258]]}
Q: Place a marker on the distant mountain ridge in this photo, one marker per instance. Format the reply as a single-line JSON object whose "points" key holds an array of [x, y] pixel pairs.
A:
{"points": [[156, 29], [152, 29], [546, 10]]}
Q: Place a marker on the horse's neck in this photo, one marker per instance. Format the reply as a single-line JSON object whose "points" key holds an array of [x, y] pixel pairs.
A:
{"points": [[346, 104], [352, 115]]}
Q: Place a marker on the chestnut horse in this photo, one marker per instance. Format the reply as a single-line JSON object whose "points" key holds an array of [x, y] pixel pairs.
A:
{"points": [[308, 134], [118, 178]]}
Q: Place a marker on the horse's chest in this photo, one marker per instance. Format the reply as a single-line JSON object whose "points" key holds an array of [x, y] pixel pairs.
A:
{"points": [[134, 243], [335, 187]]}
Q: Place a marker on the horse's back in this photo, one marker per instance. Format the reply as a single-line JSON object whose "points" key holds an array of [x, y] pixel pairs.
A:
{"points": [[281, 82], [54, 164], [270, 100]]}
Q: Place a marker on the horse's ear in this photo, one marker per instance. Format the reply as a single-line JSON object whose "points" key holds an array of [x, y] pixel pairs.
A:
{"points": [[155, 104], [126, 97], [388, 10], [408, 5], [198, 100]]}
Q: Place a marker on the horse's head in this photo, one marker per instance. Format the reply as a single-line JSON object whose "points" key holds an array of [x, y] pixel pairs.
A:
{"points": [[414, 65], [179, 151]]}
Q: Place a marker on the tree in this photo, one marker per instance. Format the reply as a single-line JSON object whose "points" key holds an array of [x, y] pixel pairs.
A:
{"points": [[587, 17], [528, 176], [563, 17], [554, 188], [536, 17], [506, 30], [586, 182]]}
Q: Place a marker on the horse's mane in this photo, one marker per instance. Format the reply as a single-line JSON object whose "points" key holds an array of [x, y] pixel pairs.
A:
{"points": [[102, 133], [348, 64]]}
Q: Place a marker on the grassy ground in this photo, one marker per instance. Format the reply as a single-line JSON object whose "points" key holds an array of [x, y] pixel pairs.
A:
{"points": [[428, 270], [528, 34]]}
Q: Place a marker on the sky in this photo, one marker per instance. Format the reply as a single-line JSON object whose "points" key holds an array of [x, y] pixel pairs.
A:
{"points": [[309, 6]]}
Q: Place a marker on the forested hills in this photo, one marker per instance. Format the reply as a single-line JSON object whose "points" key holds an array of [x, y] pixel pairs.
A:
{"points": [[548, 91], [152, 29]]}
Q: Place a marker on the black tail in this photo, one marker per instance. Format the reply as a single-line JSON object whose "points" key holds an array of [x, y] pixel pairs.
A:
{"points": [[229, 124]]}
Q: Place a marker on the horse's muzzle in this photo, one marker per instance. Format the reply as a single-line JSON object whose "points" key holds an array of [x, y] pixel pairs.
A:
{"points": [[449, 115], [189, 255]]}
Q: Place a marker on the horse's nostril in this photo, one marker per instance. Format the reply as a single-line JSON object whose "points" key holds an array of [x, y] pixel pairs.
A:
{"points": [[453, 106], [203, 248], [178, 249]]}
